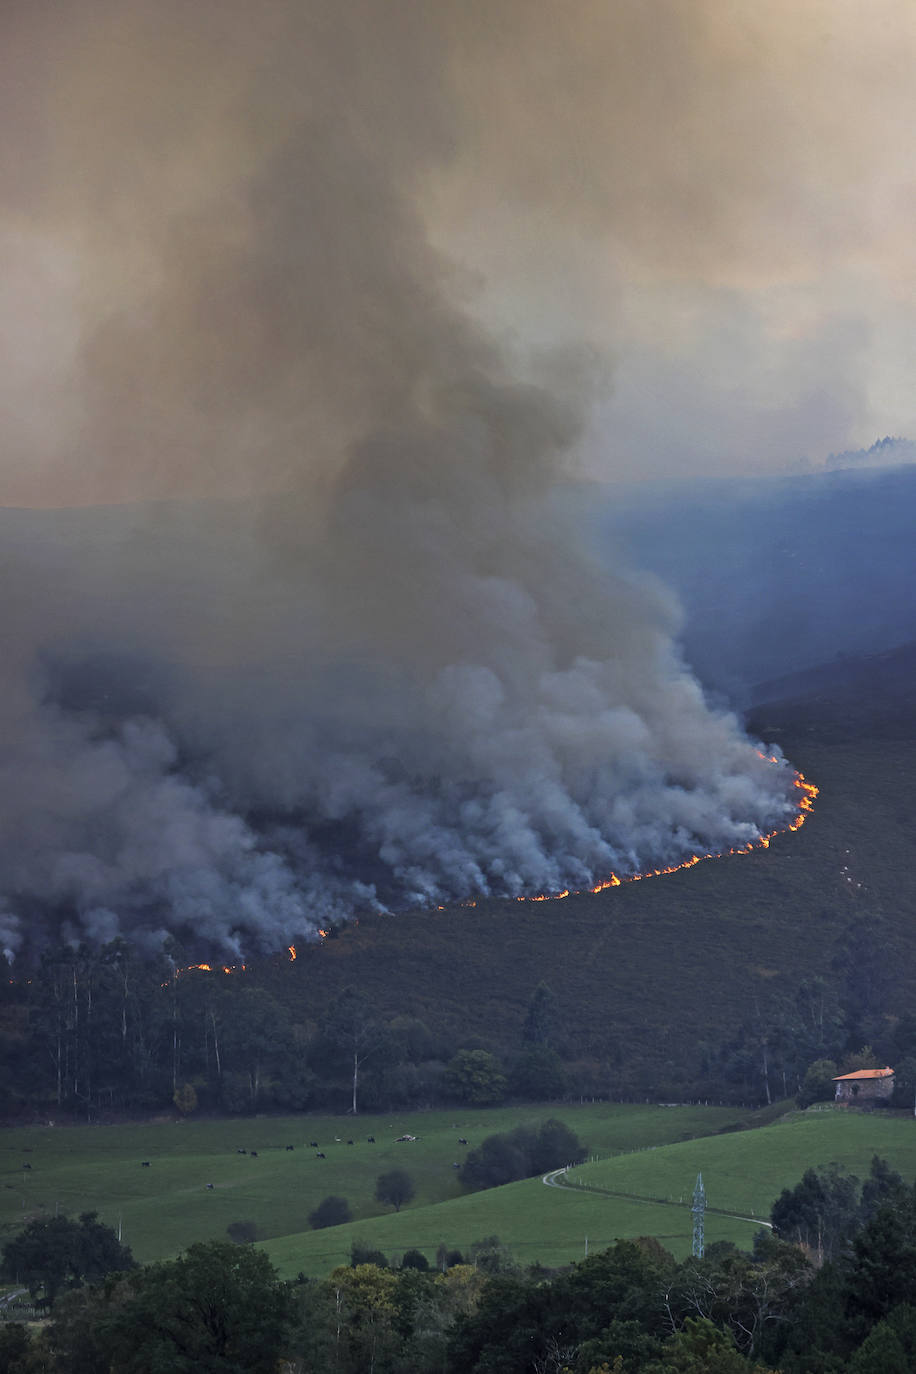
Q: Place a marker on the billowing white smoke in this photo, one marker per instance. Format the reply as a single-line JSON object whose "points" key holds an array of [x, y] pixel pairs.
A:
{"points": [[386, 671]]}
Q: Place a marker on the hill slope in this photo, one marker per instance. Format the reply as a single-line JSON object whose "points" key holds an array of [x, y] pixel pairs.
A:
{"points": [[647, 973]]}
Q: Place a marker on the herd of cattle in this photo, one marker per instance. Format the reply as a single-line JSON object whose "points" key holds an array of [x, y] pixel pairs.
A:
{"points": [[313, 1145]]}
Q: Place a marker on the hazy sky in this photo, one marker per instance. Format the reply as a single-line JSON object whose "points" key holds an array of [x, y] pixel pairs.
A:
{"points": [[697, 215]]}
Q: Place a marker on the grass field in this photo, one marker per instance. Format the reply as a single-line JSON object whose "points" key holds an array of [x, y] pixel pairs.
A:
{"points": [[163, 1208], [746, 1171], [743, 1172], [539, 1224]]}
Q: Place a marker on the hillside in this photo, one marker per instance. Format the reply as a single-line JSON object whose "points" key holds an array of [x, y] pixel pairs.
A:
{"points": [[201, 1176], [647, 973], [647, 1192]]}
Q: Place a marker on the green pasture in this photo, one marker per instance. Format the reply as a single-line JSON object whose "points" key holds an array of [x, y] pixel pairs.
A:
{"points": [[746, 1171], [646, 1192], [166, 1207], [539, 1224]]}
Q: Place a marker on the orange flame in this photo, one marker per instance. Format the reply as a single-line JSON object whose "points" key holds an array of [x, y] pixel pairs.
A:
{"points": [[292, 951], [805, 806]]}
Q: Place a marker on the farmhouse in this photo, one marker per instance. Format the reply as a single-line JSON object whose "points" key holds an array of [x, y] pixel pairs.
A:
{"points": [[865, 1085]]}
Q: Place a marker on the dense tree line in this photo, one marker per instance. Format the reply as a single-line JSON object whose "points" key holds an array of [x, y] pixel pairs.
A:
{"points": [[93, 1030], [102, 1029], [800, 1308]]}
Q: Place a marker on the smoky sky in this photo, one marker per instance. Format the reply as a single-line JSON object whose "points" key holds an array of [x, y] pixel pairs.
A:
{"points": [[309, 632]]}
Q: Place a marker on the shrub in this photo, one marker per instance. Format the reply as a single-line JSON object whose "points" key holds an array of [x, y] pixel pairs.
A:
{"points": [[331, 1211], [242, 1232]]}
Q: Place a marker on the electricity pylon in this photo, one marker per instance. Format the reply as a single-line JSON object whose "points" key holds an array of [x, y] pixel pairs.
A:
{"points": [[699, 1216]]}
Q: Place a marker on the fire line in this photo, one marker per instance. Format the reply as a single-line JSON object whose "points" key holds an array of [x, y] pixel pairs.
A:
{"points": [[808, 792]]}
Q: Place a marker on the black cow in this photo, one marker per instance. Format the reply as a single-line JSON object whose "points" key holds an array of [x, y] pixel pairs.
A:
{"points": [[26, 1166], [462, 1141], [254, 1154], [371, 1139], [209, 1187], [144, 1164], [349, 1142], [289, 1147], [313, 1144], [241, 1152], [320, 1155]]}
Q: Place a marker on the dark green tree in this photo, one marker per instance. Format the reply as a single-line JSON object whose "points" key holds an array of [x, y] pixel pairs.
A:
{"points": [[540, 1022], [394, 1188], [475, 1077], [820, 1212], [537, 1074], [217, 1308], [331, 1211], [57, 1252], [817, 1084], [20, 1352]]}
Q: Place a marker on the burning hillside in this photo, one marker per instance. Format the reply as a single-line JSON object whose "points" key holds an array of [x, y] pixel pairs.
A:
{"points": [[393, 677]]}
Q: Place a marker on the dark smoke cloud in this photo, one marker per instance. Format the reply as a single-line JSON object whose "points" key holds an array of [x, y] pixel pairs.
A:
{"points": [[372, 665]]}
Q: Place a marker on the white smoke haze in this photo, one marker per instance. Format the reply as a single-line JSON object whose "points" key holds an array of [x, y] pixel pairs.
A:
{"points": [[358, 659]]}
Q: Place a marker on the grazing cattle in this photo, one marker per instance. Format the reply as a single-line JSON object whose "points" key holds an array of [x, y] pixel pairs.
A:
{"points": [[337, 1140], [371, 1139], [254, 1154], [313, 1144], [462, 1141], [26, 1166], [456, 1166], [349, 1142], [209, 1187], [144, 1164], [320, 1155], [289, 1147], [241, 1152]]}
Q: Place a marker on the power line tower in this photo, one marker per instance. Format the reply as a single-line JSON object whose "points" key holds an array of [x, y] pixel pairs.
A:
{"points": [[699, 1217]]}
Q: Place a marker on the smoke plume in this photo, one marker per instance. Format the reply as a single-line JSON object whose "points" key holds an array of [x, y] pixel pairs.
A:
{"points": [[347, 651]]}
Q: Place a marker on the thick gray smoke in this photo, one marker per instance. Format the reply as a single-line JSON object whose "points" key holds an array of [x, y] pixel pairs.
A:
{"points": [[384, 670]]}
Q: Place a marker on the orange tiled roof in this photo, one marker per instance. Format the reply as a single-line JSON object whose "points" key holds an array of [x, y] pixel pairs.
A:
{"points": [[864, 1073]]}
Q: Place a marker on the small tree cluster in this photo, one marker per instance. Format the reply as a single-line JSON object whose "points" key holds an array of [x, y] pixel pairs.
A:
{"points": [[521, 1153], [331, 1211]]}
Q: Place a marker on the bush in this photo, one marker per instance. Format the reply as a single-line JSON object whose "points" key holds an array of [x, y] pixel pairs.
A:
{"points": [[414, 1259], [361, 1252], [818, 1084], [331, 1211], [242, 1232]]}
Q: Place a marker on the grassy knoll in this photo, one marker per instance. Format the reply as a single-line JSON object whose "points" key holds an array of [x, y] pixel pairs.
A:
{"points": [[743, 1172], [167, 1206]]}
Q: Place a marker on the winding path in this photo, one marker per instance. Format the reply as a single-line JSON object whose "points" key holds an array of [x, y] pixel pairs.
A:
{"points": [[553, 1180]]}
